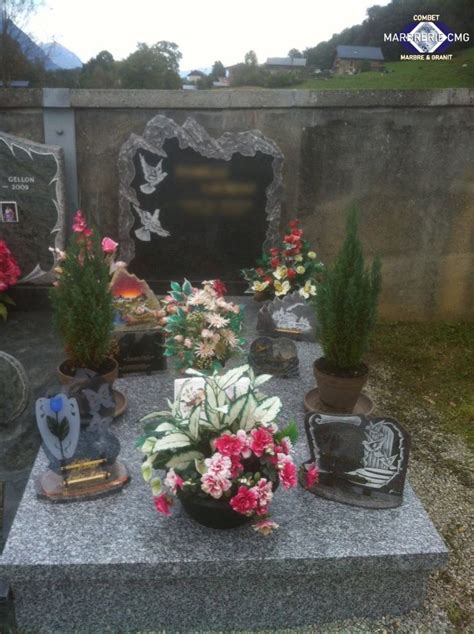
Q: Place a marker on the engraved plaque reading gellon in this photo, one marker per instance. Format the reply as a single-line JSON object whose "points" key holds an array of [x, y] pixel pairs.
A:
{"points": [[32, 204]]}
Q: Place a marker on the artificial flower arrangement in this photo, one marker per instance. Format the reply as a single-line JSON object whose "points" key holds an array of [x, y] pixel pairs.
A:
{"points": [[81, 298], [281, 270], [222, 452], [202, 328], [9, 274]]}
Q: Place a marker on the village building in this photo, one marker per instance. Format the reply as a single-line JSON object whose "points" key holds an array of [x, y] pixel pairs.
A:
{"points": [[353, 59]]}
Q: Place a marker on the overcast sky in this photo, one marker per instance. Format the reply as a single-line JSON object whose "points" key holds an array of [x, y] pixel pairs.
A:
{"points": [[205, 30]]}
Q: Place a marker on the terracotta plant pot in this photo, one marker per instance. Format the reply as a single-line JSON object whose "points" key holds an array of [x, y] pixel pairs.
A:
{"points": [[339, 393], [66, 377]]}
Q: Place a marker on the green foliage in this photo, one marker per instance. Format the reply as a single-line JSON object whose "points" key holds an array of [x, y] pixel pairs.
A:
{"points": [[294, 52], [100, 72], [218, 70], [14, 64], [253, 75], [346, 303], [283, 79], [290, 431], [205, 83], [248, 75], [251, 58], [59, 428], [153, 66], [82, 303]]}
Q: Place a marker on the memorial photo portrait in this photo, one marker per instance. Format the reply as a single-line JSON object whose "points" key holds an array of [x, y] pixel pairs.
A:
{"points": [[9, 212]]}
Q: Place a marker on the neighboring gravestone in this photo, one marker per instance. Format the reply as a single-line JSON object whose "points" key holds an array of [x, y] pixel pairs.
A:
{"points": [[194, 206], [278, 357], [362, 460], [291, 316], [32, 204], [14, 396]]}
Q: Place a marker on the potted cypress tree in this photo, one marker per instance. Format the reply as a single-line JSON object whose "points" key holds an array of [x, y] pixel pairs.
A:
{"points": [[346, 307], [82, 303]]}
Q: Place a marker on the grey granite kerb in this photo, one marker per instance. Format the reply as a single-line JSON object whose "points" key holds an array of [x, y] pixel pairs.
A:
{"points": [[115, 565]]}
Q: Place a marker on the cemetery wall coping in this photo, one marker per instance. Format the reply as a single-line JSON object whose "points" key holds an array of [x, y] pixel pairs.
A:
{"points": [[229, 98]]}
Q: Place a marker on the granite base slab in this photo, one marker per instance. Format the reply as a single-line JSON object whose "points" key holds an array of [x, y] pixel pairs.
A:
{"points": [[115, 565]]}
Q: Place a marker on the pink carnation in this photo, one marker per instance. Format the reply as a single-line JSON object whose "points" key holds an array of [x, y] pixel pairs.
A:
{"points": [[311, 475], [163, 503], [245, 501], [174, 481], [264, 492], [245, 442], [236, 467], [109, 245], [288, 475], [218, 465], [285, 445], [214, 485], [261, 441], [229, 445]]}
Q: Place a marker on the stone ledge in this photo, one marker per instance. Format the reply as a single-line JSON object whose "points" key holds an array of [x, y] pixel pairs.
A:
{"points": [[265, 98], [231, 98]]}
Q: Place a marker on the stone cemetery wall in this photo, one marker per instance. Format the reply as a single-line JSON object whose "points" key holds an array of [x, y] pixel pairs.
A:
{"points": [[405, 158]]}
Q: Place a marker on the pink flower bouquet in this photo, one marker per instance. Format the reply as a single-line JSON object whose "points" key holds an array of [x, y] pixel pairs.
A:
{"points": [[202, 327], [222, 451]]}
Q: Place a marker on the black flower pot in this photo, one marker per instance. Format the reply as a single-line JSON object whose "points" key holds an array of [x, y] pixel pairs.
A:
{"points": [[212, 513]]}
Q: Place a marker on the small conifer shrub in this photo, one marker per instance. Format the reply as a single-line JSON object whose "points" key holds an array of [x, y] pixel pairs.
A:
{"points": [[81, 299], [346, 304]]}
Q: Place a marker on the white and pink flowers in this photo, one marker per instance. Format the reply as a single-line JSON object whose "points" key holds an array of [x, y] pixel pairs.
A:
{"points": [[224, 450], [202, 329]]}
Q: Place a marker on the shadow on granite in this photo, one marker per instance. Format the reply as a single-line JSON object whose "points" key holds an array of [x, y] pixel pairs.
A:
{"points": [[115, 565], [28, 336]]}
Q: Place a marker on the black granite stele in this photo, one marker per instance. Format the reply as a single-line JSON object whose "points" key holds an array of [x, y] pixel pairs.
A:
{"points": [[116, 565], [32, 187], [362, 460], [194, 206]]}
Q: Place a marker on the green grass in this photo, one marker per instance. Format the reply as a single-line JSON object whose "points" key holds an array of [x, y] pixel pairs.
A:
{"points": [[433, 363], [406, 75]]}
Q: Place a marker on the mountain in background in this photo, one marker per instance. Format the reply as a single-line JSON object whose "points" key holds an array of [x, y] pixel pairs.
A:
{"points": [[184, 73], [31, 50], [60, 55]]}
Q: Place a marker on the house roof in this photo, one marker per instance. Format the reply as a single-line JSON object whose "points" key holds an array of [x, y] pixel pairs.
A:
{"points": [[359, 52], [286, 61]]}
